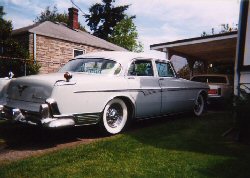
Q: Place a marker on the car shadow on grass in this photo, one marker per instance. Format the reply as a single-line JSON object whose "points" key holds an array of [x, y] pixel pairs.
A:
{"points": [[24, 137]]}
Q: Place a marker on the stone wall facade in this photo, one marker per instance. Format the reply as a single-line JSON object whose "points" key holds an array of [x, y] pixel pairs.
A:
{"points": [[53, 53]]}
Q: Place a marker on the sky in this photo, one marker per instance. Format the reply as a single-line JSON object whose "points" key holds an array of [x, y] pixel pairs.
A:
{"points": [[157, 21]]}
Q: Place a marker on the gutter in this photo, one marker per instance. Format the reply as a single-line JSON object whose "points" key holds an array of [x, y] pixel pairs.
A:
{"points": [[34, 47]]}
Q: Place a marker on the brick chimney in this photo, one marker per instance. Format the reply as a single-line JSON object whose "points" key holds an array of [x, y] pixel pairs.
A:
{"points": [[73, 18]]}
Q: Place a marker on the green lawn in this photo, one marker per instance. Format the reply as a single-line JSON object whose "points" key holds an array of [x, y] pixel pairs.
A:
{"points": [[175, 147]]}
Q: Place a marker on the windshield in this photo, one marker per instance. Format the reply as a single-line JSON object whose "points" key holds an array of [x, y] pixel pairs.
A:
{"points": [[92, 66]]}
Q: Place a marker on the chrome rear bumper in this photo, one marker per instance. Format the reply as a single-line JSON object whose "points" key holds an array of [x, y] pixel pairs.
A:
{"points": [[48, 116]]}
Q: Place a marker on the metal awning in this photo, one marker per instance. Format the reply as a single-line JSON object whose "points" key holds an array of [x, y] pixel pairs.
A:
{"points": [[220, 48]]}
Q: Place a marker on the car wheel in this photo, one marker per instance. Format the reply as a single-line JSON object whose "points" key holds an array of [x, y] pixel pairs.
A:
{"points": [[115, 116], [199, 105]]}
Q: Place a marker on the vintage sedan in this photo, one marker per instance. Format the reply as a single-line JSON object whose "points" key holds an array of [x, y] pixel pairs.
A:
{"points": [[105, 88]]}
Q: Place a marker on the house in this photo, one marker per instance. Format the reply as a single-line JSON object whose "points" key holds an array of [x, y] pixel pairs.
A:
{"points": [[53, 44]]}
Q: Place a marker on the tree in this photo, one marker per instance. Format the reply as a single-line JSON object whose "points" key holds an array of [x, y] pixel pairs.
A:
{"points": [[6, 25], [104, 17], [225, 28], [228, 28], [125, 35], [52, 14], [10, 48], [184, 72]]}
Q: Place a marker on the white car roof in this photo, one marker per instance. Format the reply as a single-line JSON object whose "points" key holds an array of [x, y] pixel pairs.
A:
{"points": [[121, 57]]}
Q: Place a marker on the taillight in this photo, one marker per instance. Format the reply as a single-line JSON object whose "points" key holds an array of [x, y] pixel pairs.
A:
{"points": [[213, 91]]}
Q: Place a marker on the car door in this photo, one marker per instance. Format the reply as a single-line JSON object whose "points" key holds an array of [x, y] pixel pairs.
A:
{"points": [[144, 87], [174, 95]]}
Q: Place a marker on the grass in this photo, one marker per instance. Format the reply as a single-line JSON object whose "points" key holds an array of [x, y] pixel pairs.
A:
{"points": [[182, 147]]}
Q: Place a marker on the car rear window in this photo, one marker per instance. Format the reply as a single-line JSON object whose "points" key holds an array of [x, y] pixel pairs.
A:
{"points": [[92, 66], [210, 79]]}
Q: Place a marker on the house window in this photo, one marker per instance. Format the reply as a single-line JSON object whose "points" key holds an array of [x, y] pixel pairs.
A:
{"points": [[78, 52]]}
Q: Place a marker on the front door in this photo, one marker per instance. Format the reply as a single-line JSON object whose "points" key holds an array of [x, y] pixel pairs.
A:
{"points": [[145, 87], [174, 95]]}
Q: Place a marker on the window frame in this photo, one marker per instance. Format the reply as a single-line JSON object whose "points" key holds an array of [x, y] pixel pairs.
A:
{"points": [[141, 59], [77, 49], [171, 67]]}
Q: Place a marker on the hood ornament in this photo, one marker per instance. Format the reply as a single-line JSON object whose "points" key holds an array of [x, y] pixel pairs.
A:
{"points": [[21, 88]]}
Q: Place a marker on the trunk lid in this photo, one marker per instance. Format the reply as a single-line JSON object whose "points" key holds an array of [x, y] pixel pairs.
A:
{"points": [[36, 88]]}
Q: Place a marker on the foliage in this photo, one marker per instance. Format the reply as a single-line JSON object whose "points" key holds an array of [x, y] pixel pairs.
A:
{"points": [[184, 72], [104, 17], [11, 49], [225, 28], [228, 28], [167, 147], [18, 67], [52, 14], [242, 112], [31, 67], [125, 35], [5, 27]]}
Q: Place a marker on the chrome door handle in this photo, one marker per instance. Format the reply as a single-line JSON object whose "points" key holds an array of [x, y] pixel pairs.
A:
{"points": [[131, 78]]}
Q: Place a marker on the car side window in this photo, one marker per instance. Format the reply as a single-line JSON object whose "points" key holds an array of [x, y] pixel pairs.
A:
{"points": [[141, 68], [164, 69]]}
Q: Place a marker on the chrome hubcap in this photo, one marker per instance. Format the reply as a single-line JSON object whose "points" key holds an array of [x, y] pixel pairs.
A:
{"points": [[114, 115]]}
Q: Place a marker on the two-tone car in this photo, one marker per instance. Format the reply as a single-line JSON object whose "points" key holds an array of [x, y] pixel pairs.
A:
{"points": [[109, 89]]}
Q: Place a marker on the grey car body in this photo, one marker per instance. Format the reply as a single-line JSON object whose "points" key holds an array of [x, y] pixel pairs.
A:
{"points": [[104, 88]]}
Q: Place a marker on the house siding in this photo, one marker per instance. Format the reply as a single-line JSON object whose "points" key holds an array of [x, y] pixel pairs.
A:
{"points": [[53, 53]]}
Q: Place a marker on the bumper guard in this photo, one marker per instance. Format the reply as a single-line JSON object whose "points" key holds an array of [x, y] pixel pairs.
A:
{"points": [[48, 115]]}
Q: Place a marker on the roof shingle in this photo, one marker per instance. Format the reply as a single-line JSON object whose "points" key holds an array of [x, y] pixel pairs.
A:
{"points": [[60, 31]]}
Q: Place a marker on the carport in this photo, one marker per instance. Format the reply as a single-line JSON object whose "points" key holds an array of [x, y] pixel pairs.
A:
{"points": [[213, 49]]}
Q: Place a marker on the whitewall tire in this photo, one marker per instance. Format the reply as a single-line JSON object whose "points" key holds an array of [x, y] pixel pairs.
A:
{"points": [[115, 116]]}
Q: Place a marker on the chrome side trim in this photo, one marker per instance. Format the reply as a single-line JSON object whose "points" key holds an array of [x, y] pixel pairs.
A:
{"points": [[144, 91], [127, 90], [179, 89], [87, 119], [141, 90]]}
